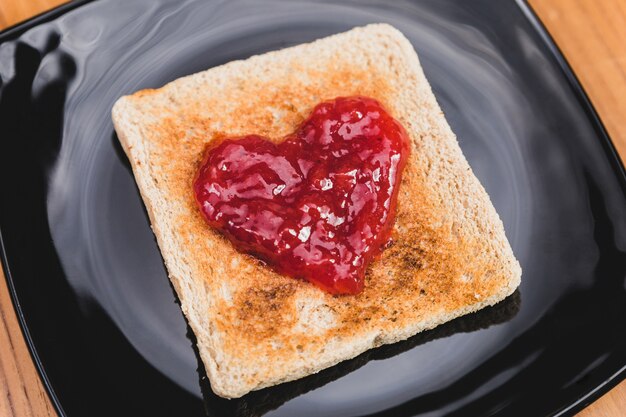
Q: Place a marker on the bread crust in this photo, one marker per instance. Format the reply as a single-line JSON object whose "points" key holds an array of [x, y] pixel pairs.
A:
{"points": [[254, 327]]}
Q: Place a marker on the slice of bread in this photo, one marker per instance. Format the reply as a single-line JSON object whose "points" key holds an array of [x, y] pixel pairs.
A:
{"points": [[256, 328]]}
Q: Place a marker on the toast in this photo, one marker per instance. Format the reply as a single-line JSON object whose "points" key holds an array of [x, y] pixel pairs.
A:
{"points": [[254, 327]]}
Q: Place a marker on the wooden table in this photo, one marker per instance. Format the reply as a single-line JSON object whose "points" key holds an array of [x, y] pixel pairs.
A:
{"points": [[591, 34]]}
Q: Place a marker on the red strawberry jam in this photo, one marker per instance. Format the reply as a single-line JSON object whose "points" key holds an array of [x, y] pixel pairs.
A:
{"points": [[320, 204]]}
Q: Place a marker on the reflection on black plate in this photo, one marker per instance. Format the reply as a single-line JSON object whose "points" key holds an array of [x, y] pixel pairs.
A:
{"points": [[84, 266]]}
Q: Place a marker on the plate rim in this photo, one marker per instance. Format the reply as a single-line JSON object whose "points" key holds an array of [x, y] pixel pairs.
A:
{"points": [[14, 31], [614, 159], [10, 33]]}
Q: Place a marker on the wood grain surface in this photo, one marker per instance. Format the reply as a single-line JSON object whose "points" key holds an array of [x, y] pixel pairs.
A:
{"points": [[592, 36]]}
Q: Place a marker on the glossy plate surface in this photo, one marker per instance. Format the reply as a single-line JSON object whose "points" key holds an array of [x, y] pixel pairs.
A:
{"points": [[92, 290]]}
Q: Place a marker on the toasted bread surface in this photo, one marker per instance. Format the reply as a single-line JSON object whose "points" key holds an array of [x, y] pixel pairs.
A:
{"points": [[256, 328]]}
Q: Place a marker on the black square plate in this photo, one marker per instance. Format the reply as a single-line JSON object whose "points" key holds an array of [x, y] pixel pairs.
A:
{"points": [[89, 284]]}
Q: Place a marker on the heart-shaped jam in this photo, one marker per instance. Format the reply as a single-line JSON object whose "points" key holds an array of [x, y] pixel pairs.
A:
{"points": [[320, 204]]}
